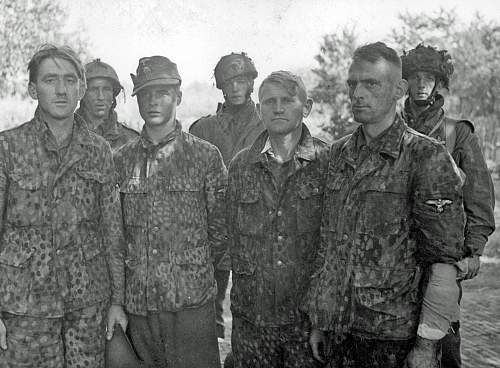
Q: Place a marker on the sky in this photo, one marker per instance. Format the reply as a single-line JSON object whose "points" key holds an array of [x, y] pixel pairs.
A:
{"points": [[277, 34]]}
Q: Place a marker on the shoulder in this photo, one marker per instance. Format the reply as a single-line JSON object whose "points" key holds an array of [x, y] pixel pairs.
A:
{"points": [[322, 148], [200, 146], [127, 130], [239, 160], [202, 124], [338, 144], [16, 131]]}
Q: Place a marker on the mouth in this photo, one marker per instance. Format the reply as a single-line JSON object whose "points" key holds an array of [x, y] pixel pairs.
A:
{"points": [[360, 107], [153, 113], [61, 102], [279, 119]]}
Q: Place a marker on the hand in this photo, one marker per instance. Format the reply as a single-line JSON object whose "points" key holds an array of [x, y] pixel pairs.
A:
{"points": [[424, 354], [317, 340], [116, 315], [3, 336], [469, 267]]}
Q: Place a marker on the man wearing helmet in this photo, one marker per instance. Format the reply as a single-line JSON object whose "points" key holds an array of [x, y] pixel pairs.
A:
{"points": [[428, 70], [235, 126], [98, 105]]}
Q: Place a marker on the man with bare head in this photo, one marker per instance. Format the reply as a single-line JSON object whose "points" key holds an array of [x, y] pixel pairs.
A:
{"points": [[61, 262], [392, 210]]}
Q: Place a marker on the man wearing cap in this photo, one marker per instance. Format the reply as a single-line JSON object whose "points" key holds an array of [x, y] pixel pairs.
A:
{"points": [[235, 126], [61, 259], [427, 71], [274, 202], [392, 210], [98, 105], [172, 188]]}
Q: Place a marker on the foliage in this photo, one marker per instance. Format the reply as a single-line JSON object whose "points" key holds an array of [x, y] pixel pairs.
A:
{"points": [[24, 26]]}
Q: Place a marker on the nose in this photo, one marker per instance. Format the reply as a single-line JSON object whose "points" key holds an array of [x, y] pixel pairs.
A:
{"points": [[100, 94], [357, 92], [278, 107], [60, 87]]}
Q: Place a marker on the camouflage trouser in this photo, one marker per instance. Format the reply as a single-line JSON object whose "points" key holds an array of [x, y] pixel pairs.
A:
{"points": [[76, 340], [277, 347], [358, 352]]}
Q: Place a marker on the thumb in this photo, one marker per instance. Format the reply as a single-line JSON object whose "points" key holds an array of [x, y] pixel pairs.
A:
{"points": [[3, 336], [110, 329]]}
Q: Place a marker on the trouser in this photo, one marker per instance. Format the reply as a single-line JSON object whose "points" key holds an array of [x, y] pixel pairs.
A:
{"points": [[75, 340], [450, 344], [222, 279], [277, 347], [184, 339], [358, 352]]}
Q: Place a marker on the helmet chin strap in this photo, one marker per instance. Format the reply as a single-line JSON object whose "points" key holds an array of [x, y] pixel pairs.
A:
{"points": [[429, 101]]}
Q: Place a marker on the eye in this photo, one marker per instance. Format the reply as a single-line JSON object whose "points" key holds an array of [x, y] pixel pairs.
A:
{"points": [[351, 84], [71, 80]]}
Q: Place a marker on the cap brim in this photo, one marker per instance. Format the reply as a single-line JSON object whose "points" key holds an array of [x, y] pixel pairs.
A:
{"points": [[157, 82]]}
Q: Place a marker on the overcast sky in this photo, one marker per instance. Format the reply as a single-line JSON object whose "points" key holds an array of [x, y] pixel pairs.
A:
{"points": [[277, 34]]}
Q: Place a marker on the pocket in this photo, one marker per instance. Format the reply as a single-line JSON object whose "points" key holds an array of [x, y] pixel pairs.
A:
{"points": [[133, 195], [385, 205], [250, 220], [310, 196], [26, 197], [333, 200]]}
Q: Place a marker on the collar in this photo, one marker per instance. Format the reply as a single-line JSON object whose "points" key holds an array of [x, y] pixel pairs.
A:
{"points": [[388, 142], [149, 145], [231, 116], [305, 149], [425, 122], [80, 135]]}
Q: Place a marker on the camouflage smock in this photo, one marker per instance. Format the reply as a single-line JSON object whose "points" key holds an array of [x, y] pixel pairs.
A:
{"points": [[382, 223], [173, 214], [116, 133], [478, 190], [231, 129], [61, 233], [274, 229]]}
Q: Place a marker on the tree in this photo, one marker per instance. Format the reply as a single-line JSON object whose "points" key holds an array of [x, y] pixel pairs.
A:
{"points": [[24, 26], [330, 93]]}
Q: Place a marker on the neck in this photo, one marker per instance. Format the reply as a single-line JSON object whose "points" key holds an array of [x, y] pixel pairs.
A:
{"points": [[284, 145], [158, 132], [372, 131], [417, 110], [60, 128]]}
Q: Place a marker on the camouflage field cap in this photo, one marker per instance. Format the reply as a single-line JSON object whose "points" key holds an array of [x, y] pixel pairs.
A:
{"points": [[155, 70], [428, 59], [98, 69], [233, 65]]}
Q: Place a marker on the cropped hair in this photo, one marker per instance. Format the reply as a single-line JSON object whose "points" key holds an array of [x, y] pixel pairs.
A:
{"points": [[50, 51], [374, 52], [292, 83]]}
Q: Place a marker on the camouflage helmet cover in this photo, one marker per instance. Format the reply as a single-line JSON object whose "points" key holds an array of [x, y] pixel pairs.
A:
{"points": [[233, 65], [428, 59], [98, 69]]}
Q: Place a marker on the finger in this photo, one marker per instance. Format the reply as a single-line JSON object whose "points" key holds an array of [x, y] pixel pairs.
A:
{"points": [[316, 354], [109, 330], [3, 339], [123, 323]]}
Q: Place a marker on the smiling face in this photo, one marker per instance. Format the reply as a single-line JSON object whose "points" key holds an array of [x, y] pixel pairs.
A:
{"points": [[98, 98], [374, 89], [57, 88], [158, 103], [281, 112]]}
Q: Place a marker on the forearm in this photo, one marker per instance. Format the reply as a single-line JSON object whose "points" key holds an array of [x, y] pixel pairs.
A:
{"points": [[440, 305]]}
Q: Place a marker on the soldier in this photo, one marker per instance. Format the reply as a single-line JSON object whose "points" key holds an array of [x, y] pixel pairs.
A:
{"points": [[274, 203], [427, 71], [60, 244], [384, 221], [98, 105], [172, 188], [234, 127]]}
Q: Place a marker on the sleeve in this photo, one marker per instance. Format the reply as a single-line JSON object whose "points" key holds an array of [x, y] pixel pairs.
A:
{"points": [[232, 208], [438, 215], [478, 192], [3, 193], [215, 188], [112, 230]]}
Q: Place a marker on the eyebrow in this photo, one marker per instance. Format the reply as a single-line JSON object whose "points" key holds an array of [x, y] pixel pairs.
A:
{"points": [[48, 75]]}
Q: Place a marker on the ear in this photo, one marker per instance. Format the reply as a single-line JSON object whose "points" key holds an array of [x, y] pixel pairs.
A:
{"points": [[306, 109], [179, 97], [401, 88], [81, 90], [32, 91]]}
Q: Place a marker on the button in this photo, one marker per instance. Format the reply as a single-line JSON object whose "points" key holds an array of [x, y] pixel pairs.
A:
{"points": [[270, 213], [155, 251], [279, 213], [345, 237], [279, 263], [280, 238], [58, 251], [156, 228], [316, 190]]}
